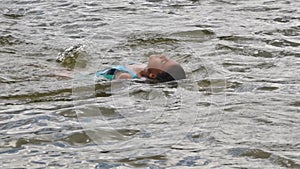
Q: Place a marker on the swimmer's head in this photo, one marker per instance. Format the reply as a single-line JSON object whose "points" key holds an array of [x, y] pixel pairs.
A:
{"points": [[162, 69]]}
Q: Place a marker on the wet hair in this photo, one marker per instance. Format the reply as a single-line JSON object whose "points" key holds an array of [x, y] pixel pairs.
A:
{"points": [[164, 77], [175, 72]]}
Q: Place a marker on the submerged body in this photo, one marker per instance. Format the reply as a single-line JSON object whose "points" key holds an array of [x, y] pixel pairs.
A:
{"points": [[159, 68]]}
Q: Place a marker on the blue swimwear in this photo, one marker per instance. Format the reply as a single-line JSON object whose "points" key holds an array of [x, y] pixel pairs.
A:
{"points": [[110, 72]]}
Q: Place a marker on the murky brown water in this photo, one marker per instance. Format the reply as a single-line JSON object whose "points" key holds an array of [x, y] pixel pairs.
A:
{"points": [[239, 107]]}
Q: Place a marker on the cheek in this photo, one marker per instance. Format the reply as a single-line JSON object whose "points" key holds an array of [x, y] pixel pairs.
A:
{"points": [[155, 63]]}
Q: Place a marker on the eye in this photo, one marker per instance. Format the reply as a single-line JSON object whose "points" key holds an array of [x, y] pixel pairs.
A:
{"points": [[164, 61]]}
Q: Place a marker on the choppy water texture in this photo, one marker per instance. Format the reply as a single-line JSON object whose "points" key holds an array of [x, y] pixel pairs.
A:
{"points": [[239, 107]]}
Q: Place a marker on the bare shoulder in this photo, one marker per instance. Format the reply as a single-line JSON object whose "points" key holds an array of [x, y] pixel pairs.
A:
{"points": [[137, 68], [123, 75]]}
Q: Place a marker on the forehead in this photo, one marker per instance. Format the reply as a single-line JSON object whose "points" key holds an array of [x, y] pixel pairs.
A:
{"points": [[162, 67]]}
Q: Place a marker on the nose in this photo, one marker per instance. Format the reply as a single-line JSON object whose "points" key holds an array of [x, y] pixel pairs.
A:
{"points": [[162, 57]]}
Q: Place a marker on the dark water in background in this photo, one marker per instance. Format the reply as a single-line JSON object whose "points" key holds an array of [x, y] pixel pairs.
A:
{"points": [[239, 107]]}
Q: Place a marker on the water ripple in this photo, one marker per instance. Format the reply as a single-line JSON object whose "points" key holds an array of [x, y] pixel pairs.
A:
{"points": [[239, 107]]}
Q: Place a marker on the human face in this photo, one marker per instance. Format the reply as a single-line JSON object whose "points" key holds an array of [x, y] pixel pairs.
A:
{"points": [[158, 64]]}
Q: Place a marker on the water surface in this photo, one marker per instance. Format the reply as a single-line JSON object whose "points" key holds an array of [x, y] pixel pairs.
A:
{"points": [[238, 108]]}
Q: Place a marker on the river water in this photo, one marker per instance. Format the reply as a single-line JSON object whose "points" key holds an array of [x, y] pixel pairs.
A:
{"points": [[238, 107]]}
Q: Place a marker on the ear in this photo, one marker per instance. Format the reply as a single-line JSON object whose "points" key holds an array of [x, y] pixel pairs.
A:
{"points": [[152, 76]]}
